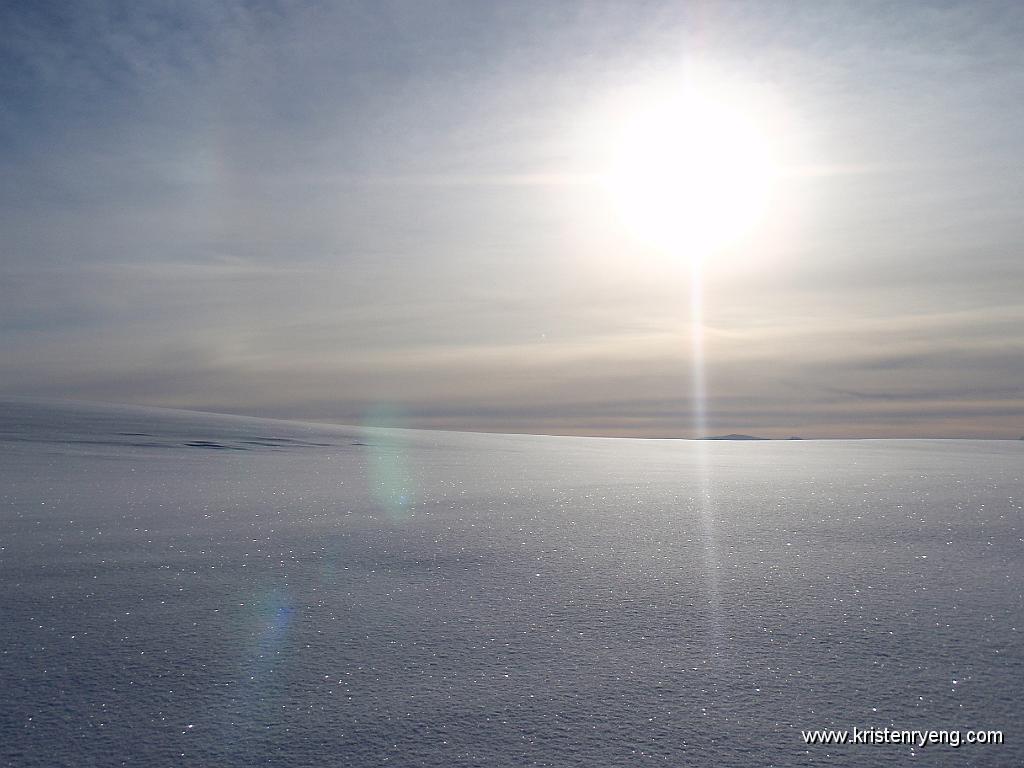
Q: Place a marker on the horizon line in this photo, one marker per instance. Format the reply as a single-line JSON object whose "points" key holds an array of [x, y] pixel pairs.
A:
{"points": [[725, 437]]}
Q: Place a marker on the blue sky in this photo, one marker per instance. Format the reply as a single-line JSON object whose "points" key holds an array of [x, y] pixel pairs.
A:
{"points": [[323, 210]]}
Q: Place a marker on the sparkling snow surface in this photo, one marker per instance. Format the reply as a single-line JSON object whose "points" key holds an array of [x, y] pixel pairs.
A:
{"points": [[188, 589]]}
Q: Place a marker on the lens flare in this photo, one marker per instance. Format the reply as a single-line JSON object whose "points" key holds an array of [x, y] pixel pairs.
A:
{"points": [[389, 473]]}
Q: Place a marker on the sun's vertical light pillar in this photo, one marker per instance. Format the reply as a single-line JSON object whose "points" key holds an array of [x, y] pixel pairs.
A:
{"points": [[690, 172], [704, 500], [697, 374]]}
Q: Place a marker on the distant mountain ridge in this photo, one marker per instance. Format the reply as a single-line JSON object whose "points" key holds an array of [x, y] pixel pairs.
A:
{"points": [[734, 437]]}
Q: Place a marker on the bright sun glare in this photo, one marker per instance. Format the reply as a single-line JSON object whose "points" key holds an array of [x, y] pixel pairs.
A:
{"points": [[691, 170]]}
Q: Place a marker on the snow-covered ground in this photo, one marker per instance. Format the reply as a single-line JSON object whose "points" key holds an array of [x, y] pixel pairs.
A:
{"points": [[191, 589]]}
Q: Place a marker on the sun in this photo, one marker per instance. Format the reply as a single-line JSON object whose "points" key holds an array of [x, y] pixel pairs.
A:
{"points": [[690, 169]]}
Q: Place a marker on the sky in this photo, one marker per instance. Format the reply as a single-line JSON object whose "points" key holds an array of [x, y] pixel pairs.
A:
{"points": [[375, 212]]}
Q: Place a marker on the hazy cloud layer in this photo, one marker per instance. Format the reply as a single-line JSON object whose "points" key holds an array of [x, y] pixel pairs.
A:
{"points": [[321, 210]]}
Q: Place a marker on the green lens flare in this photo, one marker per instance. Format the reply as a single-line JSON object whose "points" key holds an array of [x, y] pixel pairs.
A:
{"points": [[388, 469]]}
